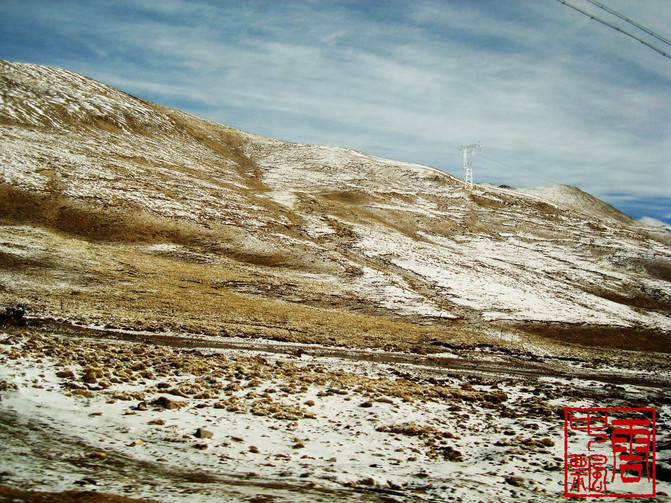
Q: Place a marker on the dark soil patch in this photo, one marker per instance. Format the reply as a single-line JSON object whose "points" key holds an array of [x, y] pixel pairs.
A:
{"points": [[10, 495], [628, 338]]}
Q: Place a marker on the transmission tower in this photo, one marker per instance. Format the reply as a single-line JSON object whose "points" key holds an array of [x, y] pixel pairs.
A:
{"points": [[468, 152]]}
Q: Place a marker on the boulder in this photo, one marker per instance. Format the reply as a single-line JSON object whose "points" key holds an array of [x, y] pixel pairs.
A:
{"points": [[168, 403], [203, 433]]}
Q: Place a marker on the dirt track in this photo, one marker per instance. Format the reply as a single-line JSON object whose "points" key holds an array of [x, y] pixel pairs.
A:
{"points": [[480, 359], [290, 422]]}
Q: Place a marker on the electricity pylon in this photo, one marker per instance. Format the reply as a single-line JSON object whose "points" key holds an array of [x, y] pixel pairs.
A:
{"points": [[468, 153]]}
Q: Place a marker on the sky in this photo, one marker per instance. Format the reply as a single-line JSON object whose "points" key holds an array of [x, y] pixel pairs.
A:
{"points": [[552, 96]]}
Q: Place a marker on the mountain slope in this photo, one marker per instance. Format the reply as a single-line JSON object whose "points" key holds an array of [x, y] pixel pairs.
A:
{"points": [[572, 198], [122, 212]]}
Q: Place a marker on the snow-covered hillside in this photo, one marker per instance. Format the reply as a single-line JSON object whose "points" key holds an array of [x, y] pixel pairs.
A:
{"points": [[568, 197], [383, 237], [214, 315]]}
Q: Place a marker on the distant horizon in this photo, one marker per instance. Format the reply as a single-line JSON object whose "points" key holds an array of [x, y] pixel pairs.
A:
{"points": [[553, 97]]}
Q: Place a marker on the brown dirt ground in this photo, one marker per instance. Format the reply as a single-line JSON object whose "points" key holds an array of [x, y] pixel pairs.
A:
{"points": [[627, 338], [11, 495]]}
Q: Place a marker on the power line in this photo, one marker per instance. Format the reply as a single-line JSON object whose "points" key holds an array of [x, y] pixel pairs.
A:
{"points": [[469, 153], [610, 25], [630, 21]]}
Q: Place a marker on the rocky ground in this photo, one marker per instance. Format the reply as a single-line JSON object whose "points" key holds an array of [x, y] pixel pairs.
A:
{"points": [[98, 410]]}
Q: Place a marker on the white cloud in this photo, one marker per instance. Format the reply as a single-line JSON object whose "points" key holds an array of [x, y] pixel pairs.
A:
{"points": [[553, 96]]}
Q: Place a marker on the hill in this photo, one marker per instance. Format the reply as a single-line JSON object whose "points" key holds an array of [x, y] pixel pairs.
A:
{"points": [[572, 198], [101, 190], [217, 316]]}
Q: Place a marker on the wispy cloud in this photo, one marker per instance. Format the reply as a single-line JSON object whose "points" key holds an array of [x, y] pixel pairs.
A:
{"points": [[553, 96]]}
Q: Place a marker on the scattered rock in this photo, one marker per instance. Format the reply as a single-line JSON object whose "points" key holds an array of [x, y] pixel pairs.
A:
{"points": [[169, 403], [86, 481], [84, 393], [515, 481], [450, 454], [7, 386], [91, 375], [65, 374], [663, 471], [203, 433]]}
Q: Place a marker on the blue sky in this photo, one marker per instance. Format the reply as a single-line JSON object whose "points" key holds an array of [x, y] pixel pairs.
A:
{"points": [[553, 96]]}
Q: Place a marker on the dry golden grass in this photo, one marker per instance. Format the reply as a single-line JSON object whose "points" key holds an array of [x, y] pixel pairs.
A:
{"points": [[235, 260], [84, 219], [186, 297], [192, 287], [127, 285], [611, 337]]}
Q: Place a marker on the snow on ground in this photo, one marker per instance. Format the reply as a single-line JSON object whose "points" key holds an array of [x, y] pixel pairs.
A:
{"points": [[324, 423], [484, 275], [395, 294], [406, 239], [309, 167], [568, 197], [653, 222], [437, 249]]}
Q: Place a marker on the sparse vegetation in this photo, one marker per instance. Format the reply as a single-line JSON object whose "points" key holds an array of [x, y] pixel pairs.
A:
{"points": [[396, 319]]}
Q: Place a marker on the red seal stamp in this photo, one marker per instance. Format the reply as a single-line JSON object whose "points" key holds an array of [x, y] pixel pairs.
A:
{"points": [[609, 452]]}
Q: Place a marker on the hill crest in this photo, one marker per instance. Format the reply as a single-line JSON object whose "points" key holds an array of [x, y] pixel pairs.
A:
{"points": [[290, 234]]}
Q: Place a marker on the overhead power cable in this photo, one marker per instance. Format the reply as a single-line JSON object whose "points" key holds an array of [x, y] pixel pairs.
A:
{"points": [[617, 28], [630, 21]]}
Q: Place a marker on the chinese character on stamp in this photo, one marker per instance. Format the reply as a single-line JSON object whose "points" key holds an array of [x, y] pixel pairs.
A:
{"points": [[609, 452]]}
